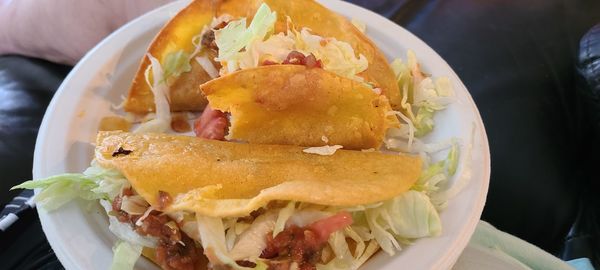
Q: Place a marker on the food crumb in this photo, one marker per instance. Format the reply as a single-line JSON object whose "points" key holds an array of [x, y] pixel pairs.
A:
{"points": [[121, 152], [326, 150]]}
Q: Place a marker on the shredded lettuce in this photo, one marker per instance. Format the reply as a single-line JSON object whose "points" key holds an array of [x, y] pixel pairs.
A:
{"points": [[235, 36], [452, 159], [304, 217], [124, 231], [95, 183], [424, 121], [339, 264], [435, 176], [360, 242], [208, 66], [380, 232], [339, 245], [110, 181], [407, 131], [441, 197], [174, 64], [229, 225], [421, 94], [284, 214], [337, 56], [241, 47], [125, 255], [160, 90], [61, 189], [413, 216], [134, 205], [404, 80], [212, 236], [253, 240], [408, 216]]}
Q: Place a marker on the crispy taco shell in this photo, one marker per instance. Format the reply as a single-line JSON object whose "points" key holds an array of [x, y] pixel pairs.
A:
{"points": [[176, 35], [179, 31], [223, 179], [294, 105]]}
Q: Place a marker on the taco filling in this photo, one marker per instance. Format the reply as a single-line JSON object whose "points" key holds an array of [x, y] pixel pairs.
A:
{"points": [[210, 39]]}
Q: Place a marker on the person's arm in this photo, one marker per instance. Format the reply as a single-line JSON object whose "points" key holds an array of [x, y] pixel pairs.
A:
{"points": [[63, 31]]}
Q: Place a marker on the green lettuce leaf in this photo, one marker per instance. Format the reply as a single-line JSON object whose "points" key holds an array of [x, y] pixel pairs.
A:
{"points": [[337, 56], [212, 236], [413, 216], [424, 121], [235, 36], [125, 255], [452, 159], [175, 63], [95, 183], [60, 189], [162, 122], [284, 214]]}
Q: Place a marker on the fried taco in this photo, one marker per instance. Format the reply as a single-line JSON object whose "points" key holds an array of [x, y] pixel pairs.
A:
{"points": [[296, 105], [208, 39], [189, 200]]}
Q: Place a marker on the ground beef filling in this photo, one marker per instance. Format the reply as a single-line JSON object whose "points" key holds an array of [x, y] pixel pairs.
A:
{"points": [[294, 244], [208, 39], [175, 250], [303, 245]]}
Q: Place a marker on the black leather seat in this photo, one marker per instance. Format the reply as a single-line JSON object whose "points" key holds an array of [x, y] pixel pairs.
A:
{"points": [[540, 104], [26, 87]]}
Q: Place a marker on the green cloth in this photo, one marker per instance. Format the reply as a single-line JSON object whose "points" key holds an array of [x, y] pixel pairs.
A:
{"points": [[509, 247]]}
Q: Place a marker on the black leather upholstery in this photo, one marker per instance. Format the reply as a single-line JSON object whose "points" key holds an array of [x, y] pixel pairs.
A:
{"points": [[584, 238], [539, 99], [26, 87]]}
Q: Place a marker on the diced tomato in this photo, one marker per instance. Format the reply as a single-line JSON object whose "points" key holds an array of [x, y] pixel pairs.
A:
{"points": [[311, 62], [212, 124], [325, 227], [294, 58], [298, 58]]}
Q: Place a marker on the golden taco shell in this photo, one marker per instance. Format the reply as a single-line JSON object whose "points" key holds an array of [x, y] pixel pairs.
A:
{"points": [[295, 105], [179, 31], [221, 179], [176, 35]]}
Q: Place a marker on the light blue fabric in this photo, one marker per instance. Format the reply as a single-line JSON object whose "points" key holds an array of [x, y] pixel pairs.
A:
{"points": [[529, 255], [581, 264]]}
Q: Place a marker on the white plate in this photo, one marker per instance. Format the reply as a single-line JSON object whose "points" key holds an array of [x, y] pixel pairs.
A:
{"points": [[79, 232]]}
